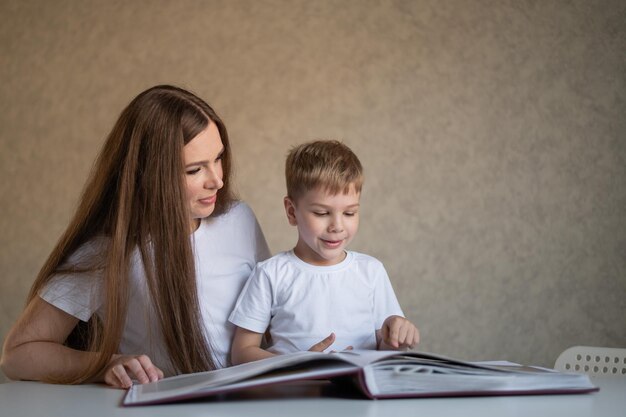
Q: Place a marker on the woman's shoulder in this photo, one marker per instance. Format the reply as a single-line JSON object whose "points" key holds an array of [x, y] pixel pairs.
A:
{"points": [[89, 254], [238, 217], [240, 207]]}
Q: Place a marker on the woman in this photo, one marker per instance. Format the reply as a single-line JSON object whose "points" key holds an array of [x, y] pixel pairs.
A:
{"points": [[153, 259]]}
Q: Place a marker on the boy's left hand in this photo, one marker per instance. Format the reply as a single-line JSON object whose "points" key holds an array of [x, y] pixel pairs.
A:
{"points": [[398, 333]]}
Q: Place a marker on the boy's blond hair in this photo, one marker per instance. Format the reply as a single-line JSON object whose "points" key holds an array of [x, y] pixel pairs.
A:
{"points": [[328, 164]]}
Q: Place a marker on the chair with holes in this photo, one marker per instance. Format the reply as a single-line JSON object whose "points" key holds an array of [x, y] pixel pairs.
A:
{"points": [[594, 361]]}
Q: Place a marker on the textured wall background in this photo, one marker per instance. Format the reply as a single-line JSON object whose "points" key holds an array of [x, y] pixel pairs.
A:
{"points": [[492, 134]]}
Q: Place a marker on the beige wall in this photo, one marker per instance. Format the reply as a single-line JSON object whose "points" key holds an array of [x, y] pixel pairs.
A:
{"points": [[492, 134]]}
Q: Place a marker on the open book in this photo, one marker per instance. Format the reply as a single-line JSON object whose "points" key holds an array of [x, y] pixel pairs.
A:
{"points": [[379, 374]]}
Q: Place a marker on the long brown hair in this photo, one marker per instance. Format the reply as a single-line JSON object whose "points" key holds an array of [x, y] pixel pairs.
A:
{"points": [[135, 197]]}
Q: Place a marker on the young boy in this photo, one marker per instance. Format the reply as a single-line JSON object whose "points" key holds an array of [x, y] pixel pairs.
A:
{"points": [[318, 290]]}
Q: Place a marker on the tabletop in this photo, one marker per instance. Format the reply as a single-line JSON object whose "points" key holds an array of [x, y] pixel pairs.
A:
{"points": [[314, 398]]}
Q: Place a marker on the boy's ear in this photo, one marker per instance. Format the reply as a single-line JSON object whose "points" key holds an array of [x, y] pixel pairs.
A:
{"points": [[290, 210]]}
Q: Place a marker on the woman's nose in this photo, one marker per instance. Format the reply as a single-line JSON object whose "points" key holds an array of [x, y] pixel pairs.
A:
{"points": [[213, 181]]}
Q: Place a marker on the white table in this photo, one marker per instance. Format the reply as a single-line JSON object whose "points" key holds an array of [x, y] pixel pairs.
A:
{"points": [[31, 399]]}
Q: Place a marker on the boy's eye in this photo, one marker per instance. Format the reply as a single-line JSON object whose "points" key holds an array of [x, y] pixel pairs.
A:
{"points": [[320, 213], [349, 213], [192, 171]]}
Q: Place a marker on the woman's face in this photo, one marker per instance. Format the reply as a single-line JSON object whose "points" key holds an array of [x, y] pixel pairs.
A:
{"points": [[202, 157]]}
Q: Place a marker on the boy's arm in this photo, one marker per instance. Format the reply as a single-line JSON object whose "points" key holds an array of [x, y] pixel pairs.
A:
{"points": [[397, 333], [247, 347]]}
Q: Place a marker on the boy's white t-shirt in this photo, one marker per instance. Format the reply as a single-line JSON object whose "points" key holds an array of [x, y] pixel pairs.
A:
{"points": [[301, 304], [226, 249]]}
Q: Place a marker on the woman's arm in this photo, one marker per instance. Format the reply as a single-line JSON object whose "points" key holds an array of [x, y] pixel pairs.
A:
{"points": [[34, 350]]}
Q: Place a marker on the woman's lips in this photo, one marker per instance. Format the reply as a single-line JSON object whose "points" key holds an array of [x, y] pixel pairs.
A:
{"points": [[208, 200]]}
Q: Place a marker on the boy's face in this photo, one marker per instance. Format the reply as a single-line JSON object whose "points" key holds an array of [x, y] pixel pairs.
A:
{"points": [[326, 224]]}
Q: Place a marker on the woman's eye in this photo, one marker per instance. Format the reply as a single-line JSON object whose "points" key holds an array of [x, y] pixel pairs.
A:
{"points": [[193, 171]]}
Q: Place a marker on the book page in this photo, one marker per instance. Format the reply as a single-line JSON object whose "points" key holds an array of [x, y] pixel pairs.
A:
{"points": [[300, 365]]}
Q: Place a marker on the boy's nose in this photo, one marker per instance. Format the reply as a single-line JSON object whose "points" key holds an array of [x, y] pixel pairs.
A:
{"points": [[335, 226]]}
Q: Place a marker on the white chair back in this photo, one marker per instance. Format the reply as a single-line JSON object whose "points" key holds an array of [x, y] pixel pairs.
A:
{"points": [[595, 361]]}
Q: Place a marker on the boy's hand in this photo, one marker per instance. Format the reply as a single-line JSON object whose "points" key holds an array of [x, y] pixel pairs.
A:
{"points": [[324, 344], [398, 333], [122, 367]]}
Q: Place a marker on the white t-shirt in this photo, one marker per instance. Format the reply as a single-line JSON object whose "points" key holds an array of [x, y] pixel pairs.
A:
{"points": [[226, 249], [301, 304]]}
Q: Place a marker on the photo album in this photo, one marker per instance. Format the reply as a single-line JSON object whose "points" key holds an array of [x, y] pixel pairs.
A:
{"points": [[377, 374]]}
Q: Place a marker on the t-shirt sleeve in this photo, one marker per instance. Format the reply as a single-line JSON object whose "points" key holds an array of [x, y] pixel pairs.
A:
{"points": [[254, 306], [78, 294], [385, 301]]}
